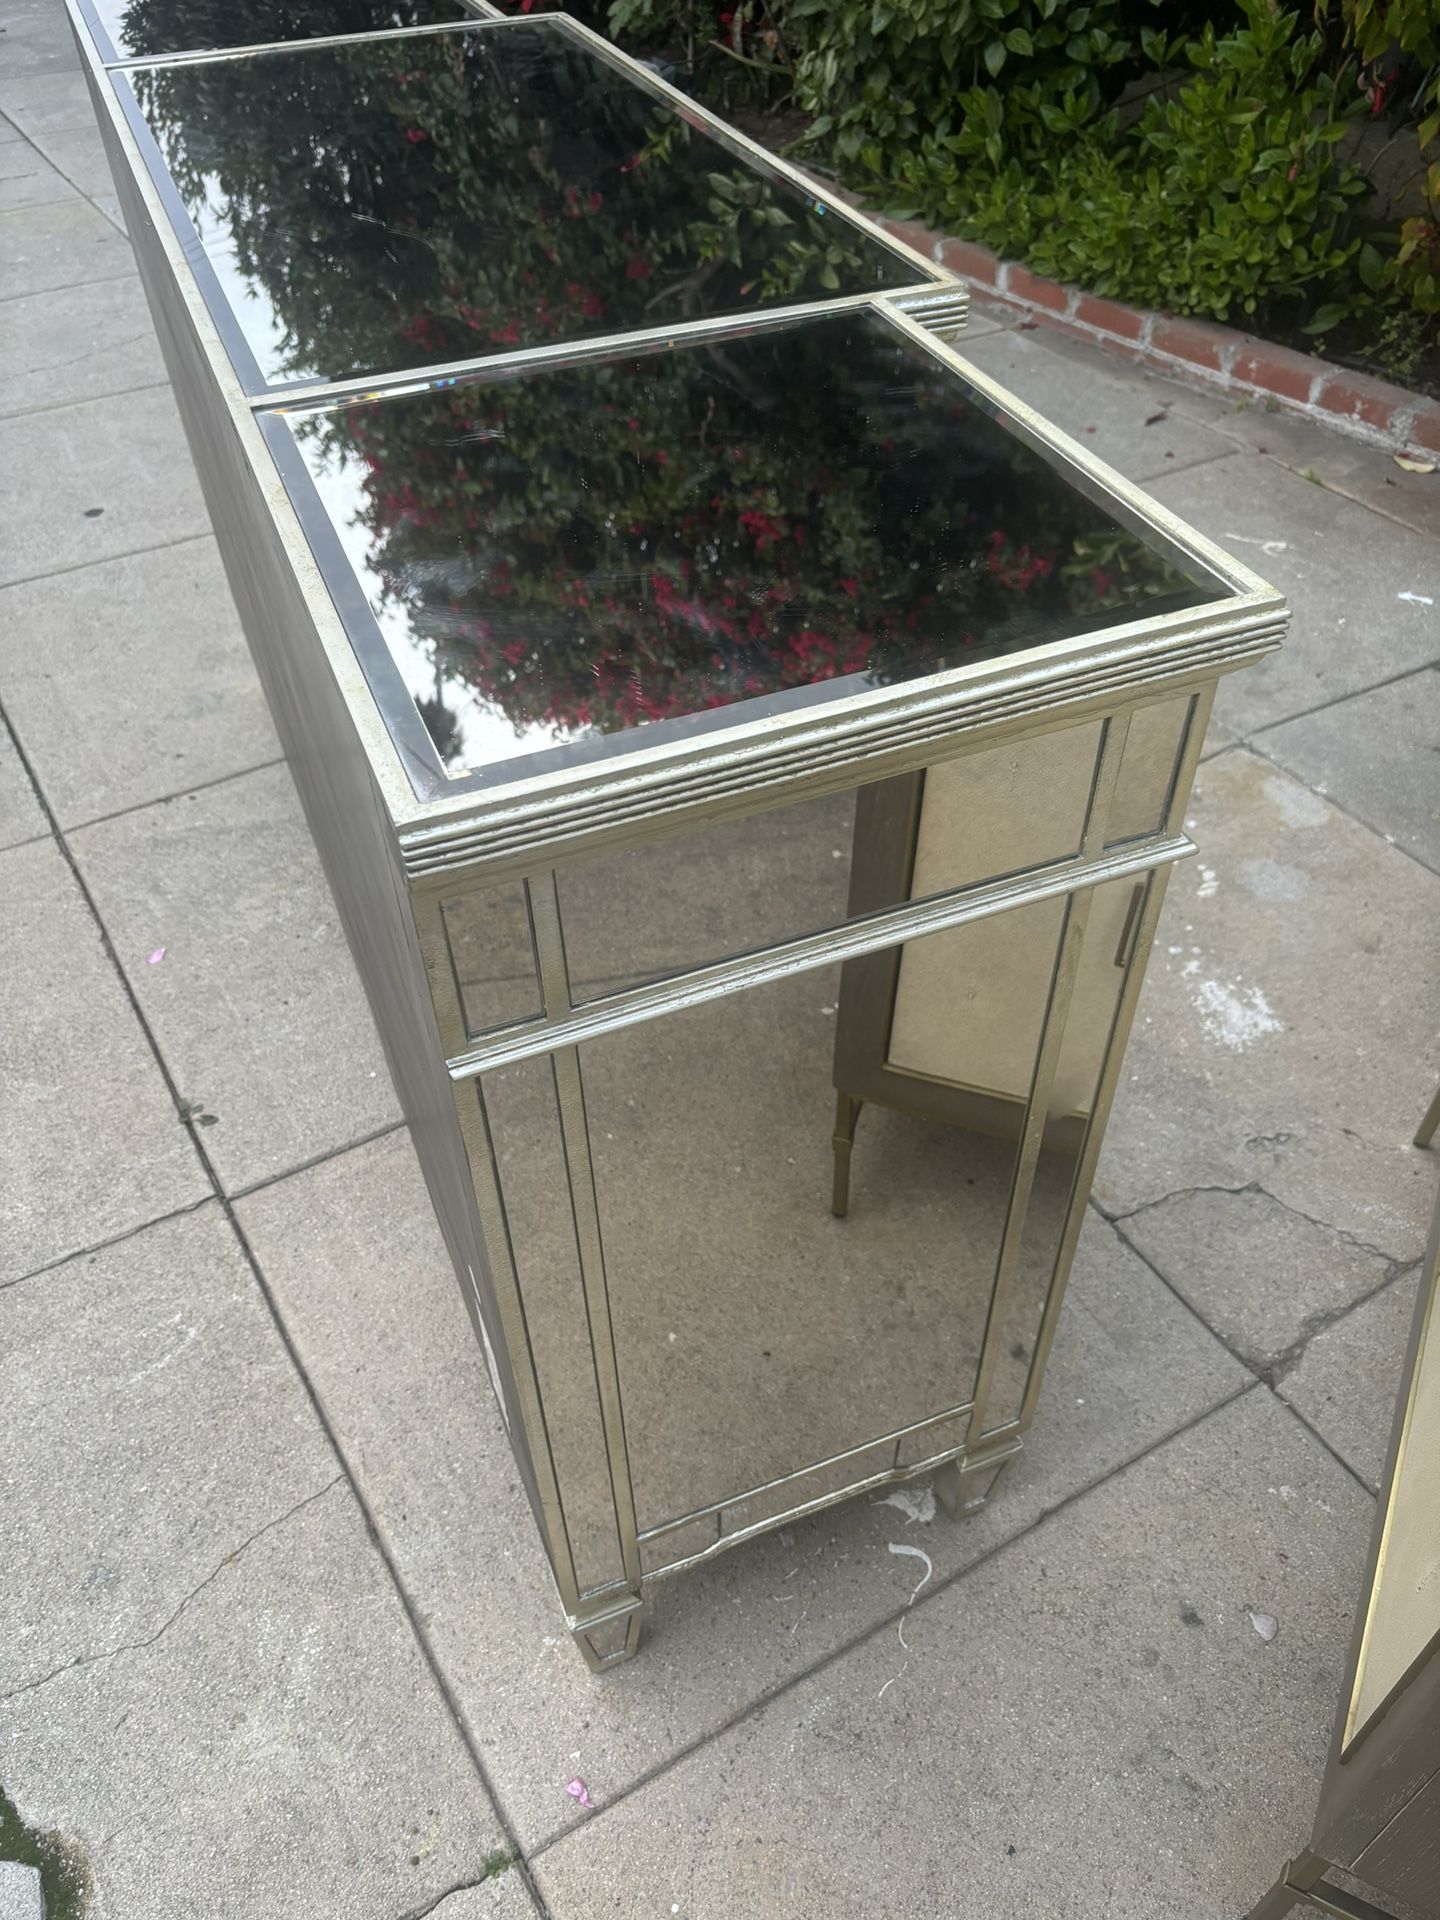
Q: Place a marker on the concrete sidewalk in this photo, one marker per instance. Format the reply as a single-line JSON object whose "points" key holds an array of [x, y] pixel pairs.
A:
{"points": [[276, 1635]]}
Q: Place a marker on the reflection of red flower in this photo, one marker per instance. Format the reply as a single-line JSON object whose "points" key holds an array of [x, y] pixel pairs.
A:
{"points": [[415, 135], [637, 267]]}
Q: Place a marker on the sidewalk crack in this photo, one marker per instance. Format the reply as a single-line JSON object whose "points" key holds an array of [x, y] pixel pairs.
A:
{"points": [[1392, 1261], [491, 1868], [134, 1646]]}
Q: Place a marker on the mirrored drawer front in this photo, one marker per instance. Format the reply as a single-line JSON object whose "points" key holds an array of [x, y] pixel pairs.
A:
{"points": [[737, 886]]}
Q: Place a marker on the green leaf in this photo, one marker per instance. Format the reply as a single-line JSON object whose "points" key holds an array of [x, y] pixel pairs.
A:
{"points": [[1018, 41], [1328, 318], [994, 57]]}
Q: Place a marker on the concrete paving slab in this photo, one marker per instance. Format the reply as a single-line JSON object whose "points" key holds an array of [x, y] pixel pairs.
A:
{"points": [[35, 37], [1262, 1276], [1344, 571], [352, 1253], [1285, 1036], [61, 346], [27, 178], [504, 1896], [22, 1897], [79, 154], [44, 103], [1122, 415], [62, 243], [21, 817], [1347, 1379], [109, 205], [981, 320], [91, 1144], [154, 1424], [1089, 1723], [1378, 756], [1368, 475], [256, 1006], [118, 479], [133, 683], [278, 1746]]}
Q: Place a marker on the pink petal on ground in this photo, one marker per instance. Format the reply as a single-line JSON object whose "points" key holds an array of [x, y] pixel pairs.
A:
{"points": [[154, 959], [578, 1790]]}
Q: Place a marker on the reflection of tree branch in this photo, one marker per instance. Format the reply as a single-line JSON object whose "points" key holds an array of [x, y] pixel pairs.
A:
{"points": [[761, 66], [690, 283]]}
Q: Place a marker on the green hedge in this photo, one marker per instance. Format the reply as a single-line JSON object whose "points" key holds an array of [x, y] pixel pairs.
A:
{"points": [[1195, 166]]}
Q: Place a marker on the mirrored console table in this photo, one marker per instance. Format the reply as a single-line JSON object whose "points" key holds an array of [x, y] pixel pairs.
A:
{"points": [[746, 745]]}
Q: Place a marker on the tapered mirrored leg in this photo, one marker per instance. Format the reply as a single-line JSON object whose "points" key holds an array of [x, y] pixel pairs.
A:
{"points": [[1288, 1891], [610, 1641], [847, 1112], [961, 1491], [1429, 1124]]}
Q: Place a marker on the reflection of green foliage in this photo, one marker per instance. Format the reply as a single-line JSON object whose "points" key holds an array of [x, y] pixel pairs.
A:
{"points": [[176, 26], [603, 545], [443, 196]]}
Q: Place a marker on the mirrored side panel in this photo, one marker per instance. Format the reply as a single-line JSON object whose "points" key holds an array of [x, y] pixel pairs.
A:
{"points": [[1154, 744], [523, 1114], [1106, 953]]}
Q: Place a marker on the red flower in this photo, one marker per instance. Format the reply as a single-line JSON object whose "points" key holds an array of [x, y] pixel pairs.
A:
{"points": [[415, 135], [637, 267]]}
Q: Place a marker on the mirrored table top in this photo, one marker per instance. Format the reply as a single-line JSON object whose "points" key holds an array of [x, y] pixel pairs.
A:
{"points": [[412, 201], [141, 29], [562, 562]]}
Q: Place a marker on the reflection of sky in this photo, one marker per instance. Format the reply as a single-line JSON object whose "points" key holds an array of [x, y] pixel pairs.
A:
{"points": [[251, 308], [481, 735]]}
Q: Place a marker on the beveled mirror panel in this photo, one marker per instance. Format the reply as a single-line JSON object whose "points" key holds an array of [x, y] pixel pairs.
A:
{"points": [[572, 560], [1153, 746], [492, 956], [777, 1298], [138, 29], [1106, 951], [401, 203], [523, 1117]]}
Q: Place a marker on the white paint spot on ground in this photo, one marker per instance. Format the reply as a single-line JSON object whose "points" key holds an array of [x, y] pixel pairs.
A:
{"points": [[1209, 883], [1416, 599], [1296, 806], [916, 1503], [1271, 547], [1236, 1016], [1269, 880]]}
